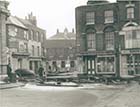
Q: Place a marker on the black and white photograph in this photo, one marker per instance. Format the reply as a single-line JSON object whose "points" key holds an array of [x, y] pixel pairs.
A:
{"points": [[69, 53]]}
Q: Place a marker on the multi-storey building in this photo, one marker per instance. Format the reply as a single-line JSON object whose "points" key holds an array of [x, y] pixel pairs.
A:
{"points": [[108, 37], [4, 13], [61, 52], [36, 39], [17, 42]]}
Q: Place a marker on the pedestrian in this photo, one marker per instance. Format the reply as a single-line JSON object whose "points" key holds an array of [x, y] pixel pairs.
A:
{"points": [[40, 71], [9, 72]]}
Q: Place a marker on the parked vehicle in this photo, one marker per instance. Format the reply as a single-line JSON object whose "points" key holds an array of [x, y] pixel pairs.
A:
{"points": [[25, 75]]}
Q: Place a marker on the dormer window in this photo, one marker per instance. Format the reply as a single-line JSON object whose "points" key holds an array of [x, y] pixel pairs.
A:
{"points": [[109, 16], [90, 18], [130, 13]]}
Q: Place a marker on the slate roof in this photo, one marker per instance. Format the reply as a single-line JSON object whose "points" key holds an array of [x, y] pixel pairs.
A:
{"points": [[28, 23], [13, 20]]}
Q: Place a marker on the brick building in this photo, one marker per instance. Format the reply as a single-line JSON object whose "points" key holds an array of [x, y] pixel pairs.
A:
{"points": [[17, 42], [61, 51], [37, 37], [25, 41], [108, 37], [4, 13]]}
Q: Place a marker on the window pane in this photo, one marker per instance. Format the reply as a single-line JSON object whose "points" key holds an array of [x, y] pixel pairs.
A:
{"points": [[109, 16], [130, 13], [109, 40], [90, 17], [91, 42]]}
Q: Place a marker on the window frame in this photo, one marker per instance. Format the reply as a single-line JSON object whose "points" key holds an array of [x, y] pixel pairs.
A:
{"points": [[130, 13], [91, 41], [109, 16], [90, 18], [109, 40]]}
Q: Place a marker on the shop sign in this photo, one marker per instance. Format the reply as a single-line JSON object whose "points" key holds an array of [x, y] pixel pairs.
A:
{"points": [[134, 51]]}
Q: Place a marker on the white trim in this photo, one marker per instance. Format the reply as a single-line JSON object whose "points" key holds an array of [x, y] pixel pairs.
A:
{"points": [[133, 23]]}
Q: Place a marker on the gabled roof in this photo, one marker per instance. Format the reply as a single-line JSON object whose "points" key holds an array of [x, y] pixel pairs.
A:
{"points": [[28, 23], [24, 21], [14, 21]]}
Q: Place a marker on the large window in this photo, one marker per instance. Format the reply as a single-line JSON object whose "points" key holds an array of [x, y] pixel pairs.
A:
{"points": [[91, 41], [109, 40], [130, 13], [109, 16], [90, 18], [132, 39], [105, 64]]}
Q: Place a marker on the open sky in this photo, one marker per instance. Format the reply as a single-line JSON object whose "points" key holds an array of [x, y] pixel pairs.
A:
{"points": [[51, 14]]}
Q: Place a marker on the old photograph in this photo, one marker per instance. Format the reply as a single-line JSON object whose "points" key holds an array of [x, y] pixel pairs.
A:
{"points": [[69, 53]]}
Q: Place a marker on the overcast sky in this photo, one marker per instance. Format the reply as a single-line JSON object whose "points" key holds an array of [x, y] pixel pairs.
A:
{"points": [[51, 14]]}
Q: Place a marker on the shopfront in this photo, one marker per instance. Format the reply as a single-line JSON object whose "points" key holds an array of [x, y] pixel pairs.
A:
{"points": [[105, 64], [130, 62]]}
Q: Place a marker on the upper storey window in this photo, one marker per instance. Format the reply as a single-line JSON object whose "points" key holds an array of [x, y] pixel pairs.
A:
{"points": [[130, 13], [109, 16], [90, 18], [91, 41]]}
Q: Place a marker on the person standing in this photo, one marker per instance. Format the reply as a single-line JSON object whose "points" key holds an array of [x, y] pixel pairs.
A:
{"points": [[41, 73], [9, 72]]}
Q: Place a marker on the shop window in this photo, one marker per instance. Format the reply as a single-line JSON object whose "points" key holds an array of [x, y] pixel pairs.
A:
{"points": [[90, 18], [130, 13], [133, 64], [109, 16], [105, 64], [109, 40], [91, 41]]}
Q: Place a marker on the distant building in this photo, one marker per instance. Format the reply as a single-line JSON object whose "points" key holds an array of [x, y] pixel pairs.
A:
{"points": [[108, 37], [61, 52], [4, 13]]}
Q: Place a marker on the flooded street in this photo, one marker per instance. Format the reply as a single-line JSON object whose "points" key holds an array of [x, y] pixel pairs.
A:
{"points": [[99, 96]]}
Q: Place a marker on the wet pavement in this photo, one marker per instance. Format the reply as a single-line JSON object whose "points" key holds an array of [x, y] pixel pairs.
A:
{"points": [[89, 96]]}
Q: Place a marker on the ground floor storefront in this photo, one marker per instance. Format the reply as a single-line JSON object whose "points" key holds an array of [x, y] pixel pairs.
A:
{"points": [[126, 63], [130, 62], [99, 64]]}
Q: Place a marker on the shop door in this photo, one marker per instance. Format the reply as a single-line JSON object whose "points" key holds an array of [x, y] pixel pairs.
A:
{"points": [[91, 65]]}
